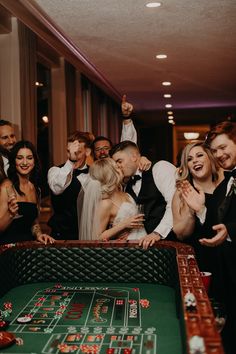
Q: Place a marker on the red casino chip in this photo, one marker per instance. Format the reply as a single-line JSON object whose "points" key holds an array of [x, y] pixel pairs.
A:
{"points": [[145, 303], [89, 349], [132, 301], [7, 305], [119, 302], [127, 351], [3, 324]]}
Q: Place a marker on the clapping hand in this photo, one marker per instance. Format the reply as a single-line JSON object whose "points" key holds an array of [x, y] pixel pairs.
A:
{"points": [[195, 198], [218, 239]]}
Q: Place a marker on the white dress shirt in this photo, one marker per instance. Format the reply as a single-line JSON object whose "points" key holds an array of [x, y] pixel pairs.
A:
{"points": [[59, 178], [164, 175], [129, 132], [6, 164]]}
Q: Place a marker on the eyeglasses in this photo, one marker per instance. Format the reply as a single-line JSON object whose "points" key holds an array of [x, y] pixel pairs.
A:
{"points": [[106, 148]]}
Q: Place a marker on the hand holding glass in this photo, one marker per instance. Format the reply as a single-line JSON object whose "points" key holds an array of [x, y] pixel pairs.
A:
{"points": [[140, 208], [11, 193]]}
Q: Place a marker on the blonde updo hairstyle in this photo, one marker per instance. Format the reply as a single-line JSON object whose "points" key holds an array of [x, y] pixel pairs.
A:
{"points": [[105, 171], [183, 171]]}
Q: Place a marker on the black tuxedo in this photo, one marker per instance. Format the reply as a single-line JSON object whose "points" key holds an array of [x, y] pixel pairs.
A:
{"points": [[152, 200], [64, 221], [225, 213]]}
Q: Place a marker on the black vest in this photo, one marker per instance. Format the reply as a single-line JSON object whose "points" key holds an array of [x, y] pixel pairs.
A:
{"points": [[64, 221], [153, 201]]}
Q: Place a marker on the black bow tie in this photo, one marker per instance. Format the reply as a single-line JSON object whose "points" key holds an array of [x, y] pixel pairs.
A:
{"points": [[134, 179], [78, 172], [229, 174]]}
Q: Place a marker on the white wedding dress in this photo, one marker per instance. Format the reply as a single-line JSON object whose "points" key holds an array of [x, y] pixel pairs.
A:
{"points": [[125, 210]]}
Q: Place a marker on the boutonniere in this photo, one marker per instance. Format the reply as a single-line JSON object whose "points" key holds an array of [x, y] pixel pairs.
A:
{"points": [[233, 187]]}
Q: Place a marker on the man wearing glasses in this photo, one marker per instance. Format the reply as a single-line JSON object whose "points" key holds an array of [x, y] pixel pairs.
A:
{"points": [[102, 145]]}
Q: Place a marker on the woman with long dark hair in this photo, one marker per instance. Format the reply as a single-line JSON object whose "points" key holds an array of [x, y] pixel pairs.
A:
{"points": [[20, 197]]}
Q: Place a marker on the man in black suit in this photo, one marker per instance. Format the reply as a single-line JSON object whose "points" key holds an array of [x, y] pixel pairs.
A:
{"points": [[7, 141], [153, 189], [222, 141], [65, 183]]}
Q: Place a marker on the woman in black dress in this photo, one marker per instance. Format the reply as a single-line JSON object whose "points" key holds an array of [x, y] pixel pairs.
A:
{"points": [[20, 197], [199, 174]]}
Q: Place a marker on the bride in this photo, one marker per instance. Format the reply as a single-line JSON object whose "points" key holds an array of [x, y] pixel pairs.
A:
{"points": [[108, 212]]}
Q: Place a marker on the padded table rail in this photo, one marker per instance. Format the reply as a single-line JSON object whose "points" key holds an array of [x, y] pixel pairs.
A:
{"points": [[167, 263]]}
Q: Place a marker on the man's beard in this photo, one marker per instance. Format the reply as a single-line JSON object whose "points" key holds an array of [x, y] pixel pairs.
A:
{"points": [[5, 152]]}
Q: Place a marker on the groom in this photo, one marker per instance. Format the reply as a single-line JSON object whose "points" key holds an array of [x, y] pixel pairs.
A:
{"points": [[153, 188]]}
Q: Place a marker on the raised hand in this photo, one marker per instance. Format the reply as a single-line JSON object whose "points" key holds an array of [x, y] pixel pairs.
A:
{"points": [[126, 107], [72, 150]]}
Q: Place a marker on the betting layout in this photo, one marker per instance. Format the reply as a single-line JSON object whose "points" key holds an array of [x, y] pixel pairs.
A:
{"points": [[79, 319]]}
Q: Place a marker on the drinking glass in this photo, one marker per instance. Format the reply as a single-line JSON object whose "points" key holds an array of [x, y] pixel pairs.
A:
{"points": [[140, 208], [11, 193], [220, 314]]}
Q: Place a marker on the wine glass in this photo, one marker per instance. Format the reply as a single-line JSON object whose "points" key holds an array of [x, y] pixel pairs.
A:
{"points": [[140, 208], [11, 193]]}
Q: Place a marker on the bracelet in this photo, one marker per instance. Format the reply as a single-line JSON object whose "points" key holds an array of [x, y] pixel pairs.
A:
{"points": [[36, 230]]}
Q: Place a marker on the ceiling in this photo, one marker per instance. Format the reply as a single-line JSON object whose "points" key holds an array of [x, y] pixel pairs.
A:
{"points": [[122, 37]]}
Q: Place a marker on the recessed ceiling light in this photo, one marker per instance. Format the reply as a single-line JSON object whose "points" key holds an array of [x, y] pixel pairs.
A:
{"points": [[167, 95], [169, 112], [153, 4], [171, 121], [170, 117], [161, 56], [168, 105], [166, 83]]}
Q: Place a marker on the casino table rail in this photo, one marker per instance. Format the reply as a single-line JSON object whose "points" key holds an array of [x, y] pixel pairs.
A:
{"points": [[166, 263]]}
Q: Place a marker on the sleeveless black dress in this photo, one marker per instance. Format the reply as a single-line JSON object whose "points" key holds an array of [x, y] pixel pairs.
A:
{"points": [[20, 229]]}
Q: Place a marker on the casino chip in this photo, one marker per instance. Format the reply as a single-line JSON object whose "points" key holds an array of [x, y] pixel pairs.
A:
{"points": [[145, 303], [4, 324], [25, 319]]}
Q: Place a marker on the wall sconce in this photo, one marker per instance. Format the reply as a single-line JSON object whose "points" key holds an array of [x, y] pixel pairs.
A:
{"points": [[191, 135]]}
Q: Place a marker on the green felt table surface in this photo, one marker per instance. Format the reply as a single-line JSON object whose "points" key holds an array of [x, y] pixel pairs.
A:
{"points": [[72, 317]]}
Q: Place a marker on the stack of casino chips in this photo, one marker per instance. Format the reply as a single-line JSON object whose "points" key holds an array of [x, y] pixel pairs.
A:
{"points": [[7, 310]]}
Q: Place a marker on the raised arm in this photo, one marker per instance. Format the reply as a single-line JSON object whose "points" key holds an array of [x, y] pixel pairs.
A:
{"points": [[128, 129]]}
